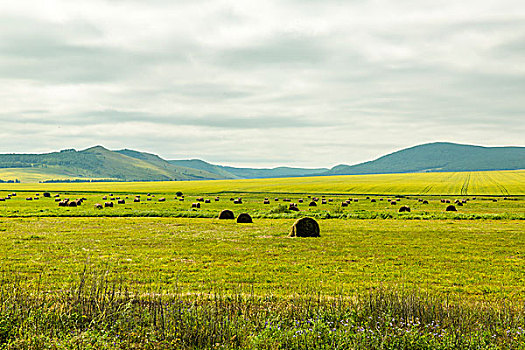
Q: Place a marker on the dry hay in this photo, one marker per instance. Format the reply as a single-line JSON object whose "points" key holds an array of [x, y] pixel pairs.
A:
{"points": [[200, 199], [195, 205], [121, 201], [293, 207], [393, 203], [47, 194], [226, 214], [344, 204], [305, 227], [300, 200], [98, 206], [404, 209], [266, 201], [372, 200], [244, 218], [207, 201], [162, 199], [108, 205], [425, 202], [29, 199], [451, 208], [312, 204], [136, 200], [237, 201]]}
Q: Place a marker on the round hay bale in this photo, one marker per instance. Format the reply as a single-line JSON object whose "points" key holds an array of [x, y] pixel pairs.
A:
{"points": [[98, 206], [72, 204], [244, 218], [372, 200], [237, 201], [312, 204], [344, 204], [323, 201], [29, 199], [425, 202], [181, 199], [105, 198], [47, 194], [293, 207], [459, 204], [266, 201], [2, 199], [393, 202], [404, 209], [121, 201], [300, 200], [162, 199], [451, 208], [136, 200], [305, 227], [108, 205], [226, 214], [207, 201], [217, 199]]}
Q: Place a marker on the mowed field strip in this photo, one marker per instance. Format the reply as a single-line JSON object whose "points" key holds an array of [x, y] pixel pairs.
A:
{"points": [[460, 183], [476, 259]]}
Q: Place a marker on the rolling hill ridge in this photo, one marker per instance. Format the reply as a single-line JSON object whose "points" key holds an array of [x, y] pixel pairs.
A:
{"points": [[100, 164]]}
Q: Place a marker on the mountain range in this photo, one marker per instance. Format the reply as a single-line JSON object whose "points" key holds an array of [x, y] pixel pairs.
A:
{"points": [[128, 165]]}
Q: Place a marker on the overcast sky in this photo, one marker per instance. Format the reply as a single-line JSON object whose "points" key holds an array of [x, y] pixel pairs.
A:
{"points": [[261, 83]]}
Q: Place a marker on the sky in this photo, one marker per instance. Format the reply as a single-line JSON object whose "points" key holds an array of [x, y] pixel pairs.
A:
{"points": [[308, 83]]}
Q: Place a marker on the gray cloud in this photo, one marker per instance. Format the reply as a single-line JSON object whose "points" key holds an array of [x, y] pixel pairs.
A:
{"points": [[306, 83]]}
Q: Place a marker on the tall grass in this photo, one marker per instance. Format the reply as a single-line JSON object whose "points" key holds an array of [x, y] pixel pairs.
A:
{"points": [[99, 312]]}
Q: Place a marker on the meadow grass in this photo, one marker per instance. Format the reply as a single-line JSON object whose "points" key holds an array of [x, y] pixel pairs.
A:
{"points": [[161, 275], [479, 259], [460, 183]]}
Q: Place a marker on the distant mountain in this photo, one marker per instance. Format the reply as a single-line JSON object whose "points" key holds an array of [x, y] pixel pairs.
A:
{"points": [[126, 165], [100, 163], [129, 165], [439, 157], [248, 173]]}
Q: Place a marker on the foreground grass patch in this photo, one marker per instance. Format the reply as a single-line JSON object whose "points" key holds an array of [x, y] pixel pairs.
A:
{"points": [[479, 260]]}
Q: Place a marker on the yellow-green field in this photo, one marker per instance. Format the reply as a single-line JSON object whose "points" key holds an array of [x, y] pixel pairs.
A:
{"points": [[161, 274], [462, 183]]}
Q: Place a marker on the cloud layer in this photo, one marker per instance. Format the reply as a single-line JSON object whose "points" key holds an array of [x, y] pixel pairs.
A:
{"points": [[261, 83]]}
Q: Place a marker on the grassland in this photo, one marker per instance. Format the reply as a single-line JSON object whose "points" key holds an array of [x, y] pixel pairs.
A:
{"points": [[466, 183], [117, 277]]}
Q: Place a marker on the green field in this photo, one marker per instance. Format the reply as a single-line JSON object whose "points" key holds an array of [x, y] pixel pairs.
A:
{"points": [[467, 183], [472, 258]]}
